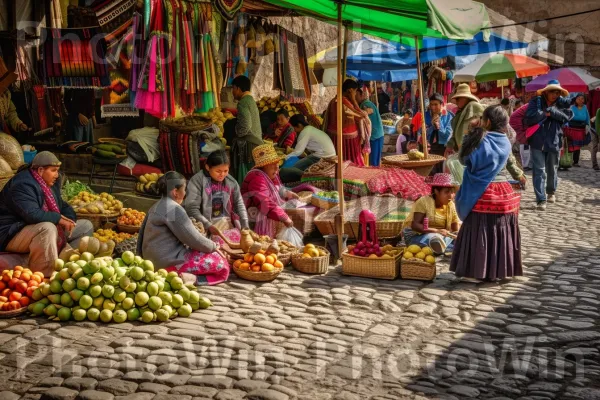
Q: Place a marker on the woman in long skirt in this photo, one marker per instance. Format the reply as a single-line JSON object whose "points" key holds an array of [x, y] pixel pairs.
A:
{"points": [[488, 246]]}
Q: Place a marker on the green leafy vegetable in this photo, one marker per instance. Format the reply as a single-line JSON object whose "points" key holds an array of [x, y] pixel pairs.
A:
{"points": [[72, 189]]}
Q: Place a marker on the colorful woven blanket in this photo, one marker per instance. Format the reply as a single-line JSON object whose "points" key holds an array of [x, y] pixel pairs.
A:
{"points": [[228, 8], [74, 58]]}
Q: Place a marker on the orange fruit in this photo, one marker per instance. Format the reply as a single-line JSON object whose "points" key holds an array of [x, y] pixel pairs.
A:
{"points": [[2, 303], [6, 276], [270, 260], [30, 291], [26, 276], [261, 251], [5, 306], [244, 267], [278, 264], [37, 278], [2, 285], [274, 256], [33, 283], [256, 268], [15, 296], [249, 258], [28, 270], [14, 305], [18, 268], [13, 282], [266, 267], [3, 299], [24, 301], [17, 274], [40, 274], [237, 263], [6, 292], [21, 287], [259, 258]]}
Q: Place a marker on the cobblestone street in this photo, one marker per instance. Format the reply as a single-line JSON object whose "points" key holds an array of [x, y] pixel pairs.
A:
{"points": [[336, 337]]}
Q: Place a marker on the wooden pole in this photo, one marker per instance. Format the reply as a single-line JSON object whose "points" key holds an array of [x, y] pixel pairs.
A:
{"points": [[339, 175], [345, 55], [422, 100]]}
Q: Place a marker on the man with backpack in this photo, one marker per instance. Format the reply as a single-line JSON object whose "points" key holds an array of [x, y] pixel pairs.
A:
{"points": [[517, 123]]}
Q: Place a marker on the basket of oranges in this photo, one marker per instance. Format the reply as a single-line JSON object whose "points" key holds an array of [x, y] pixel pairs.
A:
{"points": [[258, 265], [18, 289], [130, 220]]}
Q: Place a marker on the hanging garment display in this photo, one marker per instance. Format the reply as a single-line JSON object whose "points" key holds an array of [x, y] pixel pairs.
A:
{"points": [[290, 67], [228, 8], [79, 63]]}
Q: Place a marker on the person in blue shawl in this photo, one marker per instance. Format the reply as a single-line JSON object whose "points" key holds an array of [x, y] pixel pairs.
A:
{"points": [[488, 246]]}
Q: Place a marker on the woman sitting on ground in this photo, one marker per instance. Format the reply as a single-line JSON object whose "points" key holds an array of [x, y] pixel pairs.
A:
{"points": [[281, 133], [169, 238], [214, 199], [440, 211], [263, 193]]}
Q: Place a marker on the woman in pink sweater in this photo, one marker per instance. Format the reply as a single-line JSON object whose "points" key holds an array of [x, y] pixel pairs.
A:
{"points": [[264, 194]]}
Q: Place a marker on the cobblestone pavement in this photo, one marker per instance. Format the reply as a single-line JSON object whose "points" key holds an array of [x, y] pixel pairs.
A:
{"points": [[335, 337]]}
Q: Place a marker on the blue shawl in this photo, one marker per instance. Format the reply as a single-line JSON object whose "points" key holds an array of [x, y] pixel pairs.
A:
{"points": [[481, 167]]}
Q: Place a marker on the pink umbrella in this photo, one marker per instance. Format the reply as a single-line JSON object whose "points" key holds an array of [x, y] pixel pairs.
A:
{"points": [[572, 79]]}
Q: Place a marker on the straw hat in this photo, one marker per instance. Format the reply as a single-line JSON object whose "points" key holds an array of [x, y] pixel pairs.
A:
{"points": [[553, 85], [464, 90], [6, 77], [442, 181], [264, 155]]}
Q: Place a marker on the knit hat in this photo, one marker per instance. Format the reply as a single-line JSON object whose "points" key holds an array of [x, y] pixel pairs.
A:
{"points": [[464, 90], [45, 159], [264, 155], [553, 85], [443, 180], [6, 77]]}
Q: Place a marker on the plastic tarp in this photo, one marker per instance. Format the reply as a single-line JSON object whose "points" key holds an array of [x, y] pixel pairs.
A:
{"points": [[391, 20]]}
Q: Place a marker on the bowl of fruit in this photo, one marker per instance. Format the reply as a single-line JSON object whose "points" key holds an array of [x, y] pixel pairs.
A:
{"points": [[372, 260], [258, 265], [130, 220], [18, 288], [325, 200]]}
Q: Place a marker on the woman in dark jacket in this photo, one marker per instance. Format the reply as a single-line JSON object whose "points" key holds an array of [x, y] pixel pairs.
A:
{"points": [[34, 218]]}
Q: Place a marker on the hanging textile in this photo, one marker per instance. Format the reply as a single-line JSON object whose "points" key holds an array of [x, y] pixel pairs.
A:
{"points": [[79, 63], [56, 14], [228, 8]]}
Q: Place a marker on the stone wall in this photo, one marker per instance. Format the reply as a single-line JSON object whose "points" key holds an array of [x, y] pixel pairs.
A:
{"points": [[318, 36]]}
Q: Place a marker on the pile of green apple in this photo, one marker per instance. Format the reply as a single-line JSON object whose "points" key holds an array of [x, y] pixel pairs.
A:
{"points": [[119, 290]]}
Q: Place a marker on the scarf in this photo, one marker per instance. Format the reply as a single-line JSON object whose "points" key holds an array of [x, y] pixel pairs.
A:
{"points": [[481, 168], [264, 225], [50, 205], [286, 131], [462, 119]]}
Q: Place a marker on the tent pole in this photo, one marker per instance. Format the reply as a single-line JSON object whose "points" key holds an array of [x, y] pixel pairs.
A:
{"points": [[422, 100], [340, 179], [345, 55]]}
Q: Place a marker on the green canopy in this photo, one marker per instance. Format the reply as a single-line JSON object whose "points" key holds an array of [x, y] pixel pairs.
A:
{"points": [[452, 19]]}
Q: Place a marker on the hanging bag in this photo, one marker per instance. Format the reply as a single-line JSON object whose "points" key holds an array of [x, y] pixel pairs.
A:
{"points": [[566, 159]]}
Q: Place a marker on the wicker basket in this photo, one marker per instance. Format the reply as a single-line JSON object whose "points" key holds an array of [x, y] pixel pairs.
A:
{"points": [[13, 313], [257, 276], [286, 258], [416, 269], [385, 229], [323, 203], [303, 219], [128, 228], [98, 220], [421, 167], [380, 268], [305, 196], [315, 265]]}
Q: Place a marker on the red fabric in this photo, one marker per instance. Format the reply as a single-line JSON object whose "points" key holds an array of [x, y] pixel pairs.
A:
{"points": [[351, 149], [516, 122], [256, 192], [50, 205], [406, 183], [349, 124], [138, 170], [575, 136], [498, 198], [214, 266]]}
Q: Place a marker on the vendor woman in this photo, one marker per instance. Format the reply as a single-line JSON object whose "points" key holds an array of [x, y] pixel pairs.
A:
{"points": [[440, 211], [214, 199], [263, 193], [34, 218], [171, 241], [281, 133]]}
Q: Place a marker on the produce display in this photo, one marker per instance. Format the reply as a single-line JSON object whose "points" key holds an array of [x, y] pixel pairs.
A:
{"points": [[217, 117], [276, 104], [388, 122], [417, 252], [104, 235], [17, 288], [415, 154], [88, 203], [329, 195], [310, 251], [259, 260], [370, 250], [109, 150], [132, 217], [119, 290], [126, 245], [72, 189], [147, 184], [249, 238]]}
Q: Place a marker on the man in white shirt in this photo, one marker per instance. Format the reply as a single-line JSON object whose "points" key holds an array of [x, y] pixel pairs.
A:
{"points": [[311, 139]]}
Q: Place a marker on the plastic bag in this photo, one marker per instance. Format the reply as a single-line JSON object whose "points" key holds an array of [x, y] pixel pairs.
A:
{"points": [[292, 235], [147, 138], [454, 167]]}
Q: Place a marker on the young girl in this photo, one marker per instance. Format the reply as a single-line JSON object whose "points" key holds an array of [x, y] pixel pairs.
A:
{"points": [[282, 133], [214, 199]]}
